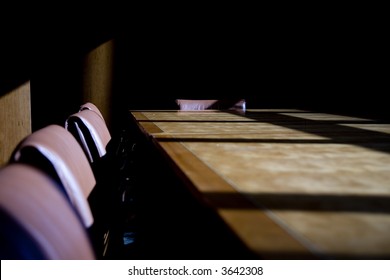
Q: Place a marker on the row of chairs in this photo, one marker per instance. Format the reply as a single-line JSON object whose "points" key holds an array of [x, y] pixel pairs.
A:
{"points": [[62, 194], [65, 193]]}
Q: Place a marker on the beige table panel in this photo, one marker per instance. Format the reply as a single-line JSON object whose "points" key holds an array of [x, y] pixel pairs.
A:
{"points": [[252, 224], [319, 183], [267, 125], [323, 117], [316, 191]]}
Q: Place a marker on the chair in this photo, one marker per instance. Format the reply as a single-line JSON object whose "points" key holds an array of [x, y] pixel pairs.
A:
{"points": [[92, 133], [109, 162], [90, 130], [207, 104], [36, 221], [92, 107], [107, 155], [94, 136], [56, 152]]}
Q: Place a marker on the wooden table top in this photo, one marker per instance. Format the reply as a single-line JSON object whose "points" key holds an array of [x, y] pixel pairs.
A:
{"points": [[289, 183]]}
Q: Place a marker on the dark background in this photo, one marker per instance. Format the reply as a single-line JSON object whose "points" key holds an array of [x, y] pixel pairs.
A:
{"points": [[328, 58]]}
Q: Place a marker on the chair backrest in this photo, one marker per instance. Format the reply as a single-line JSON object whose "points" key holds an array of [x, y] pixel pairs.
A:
{"points": [[36, 221], [61, 150], [91, 132], [205, 104], [92, 107]]}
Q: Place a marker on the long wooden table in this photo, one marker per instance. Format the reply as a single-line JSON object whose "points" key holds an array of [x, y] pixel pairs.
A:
{"points": [[289, 183]]}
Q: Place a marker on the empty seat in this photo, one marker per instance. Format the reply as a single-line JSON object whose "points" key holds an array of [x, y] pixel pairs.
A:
{"points": [[109, 158], [92, 107], [55, 151], [94, 136], [110, 161], [91, 132], [206, 104], [36, 221]]}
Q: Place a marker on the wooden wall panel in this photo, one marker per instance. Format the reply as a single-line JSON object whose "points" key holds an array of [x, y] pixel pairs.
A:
{"points": [[15, 119], [97, 79]]}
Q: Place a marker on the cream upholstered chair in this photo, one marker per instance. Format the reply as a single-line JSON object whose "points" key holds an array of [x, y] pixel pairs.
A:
{"points": [[105, 154], [90, 130], [108, 165], [92, 107], [205, 104], [36, 221], [54, 150], [95, 138]]}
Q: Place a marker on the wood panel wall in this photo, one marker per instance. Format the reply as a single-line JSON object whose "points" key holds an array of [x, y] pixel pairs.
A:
{"points": [[98, 78], [15, 119]]}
